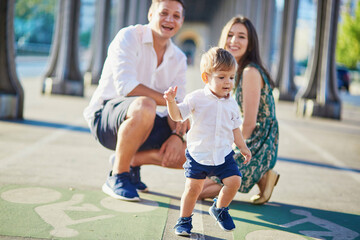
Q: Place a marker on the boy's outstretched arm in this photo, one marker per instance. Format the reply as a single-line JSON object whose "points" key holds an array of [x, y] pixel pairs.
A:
{"points": [[240, 143], [172, 107]]}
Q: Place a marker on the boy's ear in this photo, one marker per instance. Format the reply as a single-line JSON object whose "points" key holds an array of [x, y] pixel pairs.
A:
{"points": [[204, 77]]}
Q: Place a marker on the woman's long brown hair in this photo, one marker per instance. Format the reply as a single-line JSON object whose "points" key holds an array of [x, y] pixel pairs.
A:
{"points": [[252, 54]]}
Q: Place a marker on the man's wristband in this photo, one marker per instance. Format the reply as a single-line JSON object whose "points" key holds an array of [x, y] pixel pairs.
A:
{"points": [[182, 139]]}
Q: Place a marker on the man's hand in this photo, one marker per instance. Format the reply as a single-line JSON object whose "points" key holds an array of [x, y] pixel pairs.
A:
{"points": [[182, 127], [172, 151]]}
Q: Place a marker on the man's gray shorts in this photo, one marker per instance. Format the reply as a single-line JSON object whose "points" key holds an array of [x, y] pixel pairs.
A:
{"points": [[112, 114]]}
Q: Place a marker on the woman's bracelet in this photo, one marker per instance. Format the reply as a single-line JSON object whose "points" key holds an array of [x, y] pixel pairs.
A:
{"points": [[176, 134]]}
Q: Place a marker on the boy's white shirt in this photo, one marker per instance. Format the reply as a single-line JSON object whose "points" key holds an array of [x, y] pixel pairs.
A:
{"points": [[132, 60], [210, 137]]}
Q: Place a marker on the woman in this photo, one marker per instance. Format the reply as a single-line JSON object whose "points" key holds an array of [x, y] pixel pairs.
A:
{"points": [[253, 93]]}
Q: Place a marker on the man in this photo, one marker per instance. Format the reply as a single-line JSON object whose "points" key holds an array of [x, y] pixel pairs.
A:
{"points": [[123, 113]]}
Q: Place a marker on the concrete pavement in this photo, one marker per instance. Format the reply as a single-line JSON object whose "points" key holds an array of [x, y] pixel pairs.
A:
{"points": [[52, 170]]}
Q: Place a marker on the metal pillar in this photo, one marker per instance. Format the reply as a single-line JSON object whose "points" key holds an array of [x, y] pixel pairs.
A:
{"points": [[267, 38], [285, 75], [11, 91], [99, 41], [320, 98], [132, 12], [63, 75], [143, 8]]}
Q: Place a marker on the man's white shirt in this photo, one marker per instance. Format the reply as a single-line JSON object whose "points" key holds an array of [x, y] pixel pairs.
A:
{"points": [[131, 61]]}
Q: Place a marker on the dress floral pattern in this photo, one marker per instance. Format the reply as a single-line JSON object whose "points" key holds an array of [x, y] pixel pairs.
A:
{"points": [[264, 140]]}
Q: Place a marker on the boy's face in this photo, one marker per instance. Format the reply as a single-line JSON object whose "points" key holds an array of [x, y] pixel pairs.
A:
{"points": [[221, 82], [166, 18]]}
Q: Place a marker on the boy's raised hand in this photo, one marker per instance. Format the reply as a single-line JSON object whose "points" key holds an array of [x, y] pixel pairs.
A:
{"points": [[170, 94]]}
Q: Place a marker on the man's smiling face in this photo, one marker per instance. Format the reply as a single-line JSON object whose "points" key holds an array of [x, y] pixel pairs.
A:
{"points": [[166, 18]]}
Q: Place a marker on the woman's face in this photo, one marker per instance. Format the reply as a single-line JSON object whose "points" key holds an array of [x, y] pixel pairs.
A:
{"points": [[237, 41]]}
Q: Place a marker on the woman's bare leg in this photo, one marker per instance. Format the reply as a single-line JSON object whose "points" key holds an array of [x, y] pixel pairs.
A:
{"points": [[211, 189]]}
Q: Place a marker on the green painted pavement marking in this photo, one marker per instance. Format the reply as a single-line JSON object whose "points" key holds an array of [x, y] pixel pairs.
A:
{"points": [[47, 212], [282, 222]]}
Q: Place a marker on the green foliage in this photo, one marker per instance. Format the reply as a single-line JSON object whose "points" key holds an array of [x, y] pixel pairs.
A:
{"points": [[85, 39], [348, 40], [28, 9], [34, 24]]}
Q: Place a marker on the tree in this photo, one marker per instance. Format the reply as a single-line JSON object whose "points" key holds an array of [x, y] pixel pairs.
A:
{"points": [[34, 20], [348, 39]]}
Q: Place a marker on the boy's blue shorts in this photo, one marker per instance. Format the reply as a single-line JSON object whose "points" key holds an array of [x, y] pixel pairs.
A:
{"points": [[196, 170]]}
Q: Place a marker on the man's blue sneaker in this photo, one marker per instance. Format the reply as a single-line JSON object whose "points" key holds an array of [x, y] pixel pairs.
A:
{"points": [[136, 179], [120, 187], [183, 226], [134, 175], [222, 217]]}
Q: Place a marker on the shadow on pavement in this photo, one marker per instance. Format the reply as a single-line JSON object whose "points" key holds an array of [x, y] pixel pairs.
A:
{"points": [[37, 123]]}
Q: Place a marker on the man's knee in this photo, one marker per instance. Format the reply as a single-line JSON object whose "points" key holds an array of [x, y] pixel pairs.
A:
{"points": [[142, 109]]}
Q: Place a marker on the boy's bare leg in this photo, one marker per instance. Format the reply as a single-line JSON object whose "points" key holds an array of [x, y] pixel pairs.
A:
{"points": [[133, 132], [228, 191], [191, 193]]}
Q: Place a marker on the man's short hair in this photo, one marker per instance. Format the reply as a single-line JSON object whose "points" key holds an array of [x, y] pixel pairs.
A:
{"points": [[217, 59], [155, 2]]}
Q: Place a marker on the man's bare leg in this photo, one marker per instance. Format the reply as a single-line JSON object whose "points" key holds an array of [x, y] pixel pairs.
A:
{"points": [[133, 132]]}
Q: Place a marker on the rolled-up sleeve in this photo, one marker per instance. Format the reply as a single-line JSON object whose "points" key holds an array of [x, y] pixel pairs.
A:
{"points": [[236, 118], [185, 107], [122, 54]]}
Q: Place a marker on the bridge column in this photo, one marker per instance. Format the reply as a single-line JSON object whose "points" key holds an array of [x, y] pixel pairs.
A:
{"points": [[11, 91], [285, 75], [99, 41], [267, 38], [63, 75], [320, 97], [262, 14]]}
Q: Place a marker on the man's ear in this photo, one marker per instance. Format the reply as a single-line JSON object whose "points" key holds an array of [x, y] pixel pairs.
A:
{"points": [[204, 77]]}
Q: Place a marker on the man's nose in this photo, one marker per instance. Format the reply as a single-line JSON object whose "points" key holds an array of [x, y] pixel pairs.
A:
{"points": [[169, 18]]}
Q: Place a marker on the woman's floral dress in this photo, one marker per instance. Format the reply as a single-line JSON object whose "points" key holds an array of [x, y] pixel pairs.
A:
{"points": [[264, 140]]}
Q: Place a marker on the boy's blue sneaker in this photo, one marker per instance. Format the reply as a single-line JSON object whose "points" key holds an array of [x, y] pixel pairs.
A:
{"points": [[183, 226], [134, 176], [136, 179], [120, 187], [222, 217]]}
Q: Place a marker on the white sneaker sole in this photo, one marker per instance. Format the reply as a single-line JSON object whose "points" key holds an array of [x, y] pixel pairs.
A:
{"points": [[183, 233], [106, 189]]}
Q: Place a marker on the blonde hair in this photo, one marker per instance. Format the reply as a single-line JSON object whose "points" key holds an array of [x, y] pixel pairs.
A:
{"points": [[217, 59]]}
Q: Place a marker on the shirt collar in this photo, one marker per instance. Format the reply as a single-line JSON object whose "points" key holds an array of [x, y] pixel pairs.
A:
{"points": [[148, 38]]}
